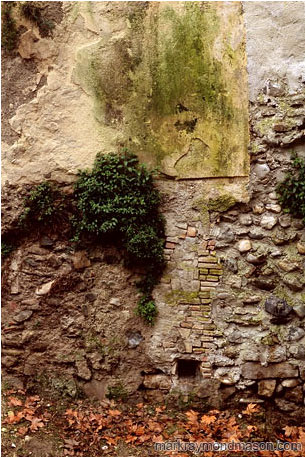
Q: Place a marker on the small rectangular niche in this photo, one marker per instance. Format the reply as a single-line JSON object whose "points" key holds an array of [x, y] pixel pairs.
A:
{"points": [[188, 368]]}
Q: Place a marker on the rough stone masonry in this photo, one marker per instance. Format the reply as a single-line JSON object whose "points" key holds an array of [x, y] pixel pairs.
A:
{"points": [[231, 305]]}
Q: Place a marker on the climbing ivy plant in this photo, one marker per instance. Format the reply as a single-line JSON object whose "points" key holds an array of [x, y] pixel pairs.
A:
{"points": [[43, 205], [117, 202], [114, 202], [9, 32], [291, 191]]}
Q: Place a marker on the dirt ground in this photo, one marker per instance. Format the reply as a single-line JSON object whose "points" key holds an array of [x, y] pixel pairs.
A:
{"points": [[38, 425]]}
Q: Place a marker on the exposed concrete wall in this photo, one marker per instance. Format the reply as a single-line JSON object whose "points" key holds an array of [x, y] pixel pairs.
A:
{"points": [[167, 80], [275, 44]]}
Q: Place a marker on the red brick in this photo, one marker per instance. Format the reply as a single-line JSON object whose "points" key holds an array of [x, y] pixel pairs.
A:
{"points": [[191, 231], [186, 325]]}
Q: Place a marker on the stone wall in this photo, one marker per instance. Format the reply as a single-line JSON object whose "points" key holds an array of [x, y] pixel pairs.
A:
{"points": [[231, 306]]}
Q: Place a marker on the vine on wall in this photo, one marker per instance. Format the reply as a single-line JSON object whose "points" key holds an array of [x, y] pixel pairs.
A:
{"points": [[115, 202], [291, 190]]}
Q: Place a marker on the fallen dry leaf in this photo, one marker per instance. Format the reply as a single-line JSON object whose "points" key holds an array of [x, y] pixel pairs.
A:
{"points": [[208, 419], [12, 418], [192, 416], [15, 402], [114, 413], [36, 423], [22, 431], [251, 408]]}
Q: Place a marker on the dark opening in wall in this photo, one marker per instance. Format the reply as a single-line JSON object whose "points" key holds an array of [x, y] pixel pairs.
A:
{"points": [[187, 368]]}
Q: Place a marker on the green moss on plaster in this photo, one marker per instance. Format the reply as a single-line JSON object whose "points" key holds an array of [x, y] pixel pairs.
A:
{"points": [[185, 66], [175, 96], [177, 296], [222, 203], [218, 204]]}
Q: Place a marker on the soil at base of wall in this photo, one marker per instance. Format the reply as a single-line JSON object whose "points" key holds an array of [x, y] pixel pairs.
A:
{"points": [[36, 425]]}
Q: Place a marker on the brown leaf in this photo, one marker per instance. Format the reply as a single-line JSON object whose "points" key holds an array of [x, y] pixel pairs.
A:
{"points": [[251, 408], [290, 430], [36, 423], [15, 402], [12, 418], [114, 413], [22, 431], [157, 438], [71, 443], [70, 412], [250, 430], [208, 419], [144, 438], [110, 440], [192, 416], [29, 412], [31, 401], [154, 426], [130, 438], [139, 430]]}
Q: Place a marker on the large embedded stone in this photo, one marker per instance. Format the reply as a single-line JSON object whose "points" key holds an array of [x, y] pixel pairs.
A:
{"points": [[285, 406], [277, 307], [227, 375], [191, 232], [256, 233], [252, 300], [275, 208], [245, 219], [276, 354], [266, 387], [268, 221], [261, 170], [227, 235], [80, 260], [83, 370], [295, 394], [231, 264], [244, 246], [250, 353], [284, 221], [256, 258], [300, 310], [300, 247], [209, 389], [258, 209], [44, 289], [23, 316], [157, 381], [295, 333], [255, 371], [134, 338], [221, 360], [294, 282], [287, 266], [290, 382], [46, 242], [297, 351], [283, 237]]}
